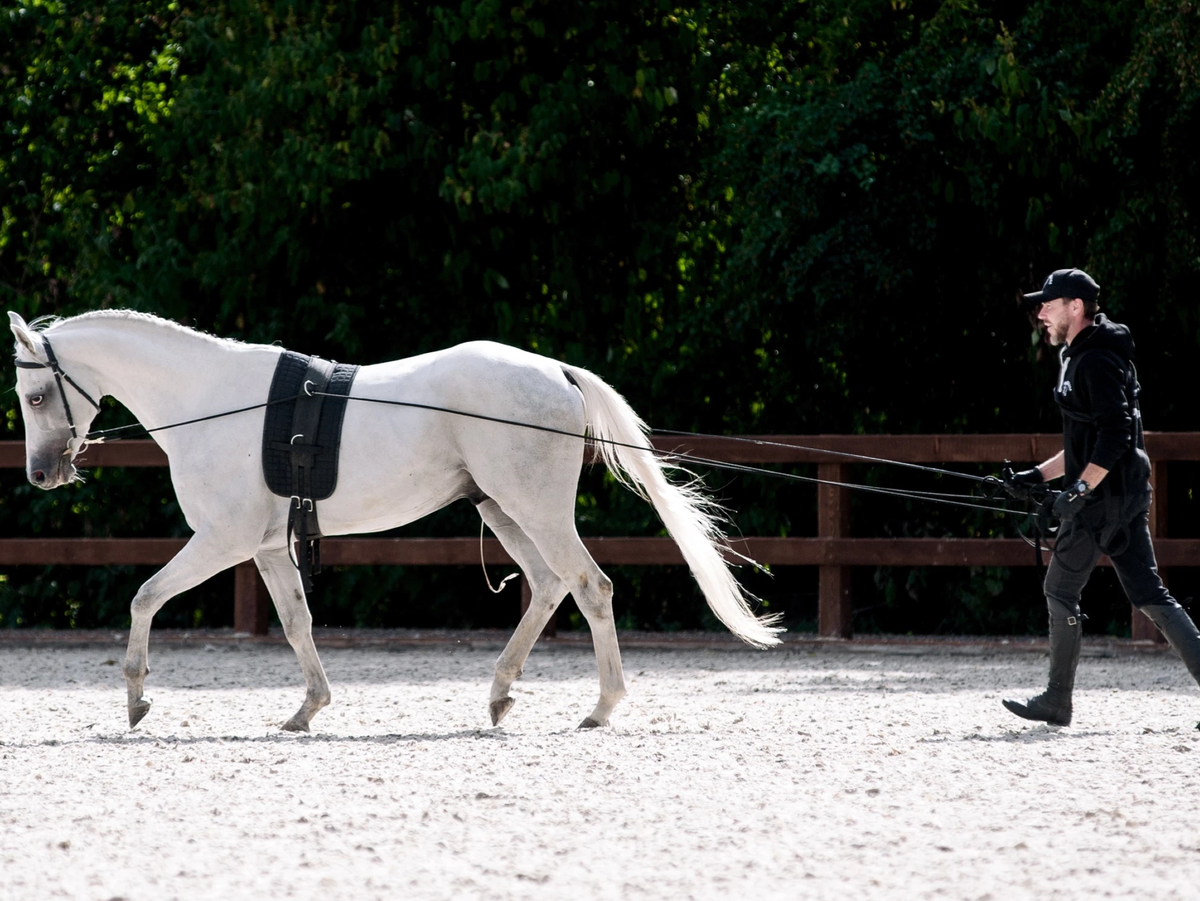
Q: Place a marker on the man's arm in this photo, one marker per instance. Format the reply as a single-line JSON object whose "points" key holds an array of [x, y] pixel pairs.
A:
{"points": [[1101, 377], [1055, 467], [1093, 475]]}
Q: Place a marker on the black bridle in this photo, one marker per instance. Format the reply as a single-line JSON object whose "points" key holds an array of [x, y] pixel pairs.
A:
{"points": [[60, 376]]}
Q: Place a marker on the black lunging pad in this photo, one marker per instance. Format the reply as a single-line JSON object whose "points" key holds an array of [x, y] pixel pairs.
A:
{"points": [[292, 371]]}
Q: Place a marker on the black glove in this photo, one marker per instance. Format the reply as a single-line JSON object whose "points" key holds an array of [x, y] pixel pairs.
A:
{"points": [[1018, 484], [1070, 501]]}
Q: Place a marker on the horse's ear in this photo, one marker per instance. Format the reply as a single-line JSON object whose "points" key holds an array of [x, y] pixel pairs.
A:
{"points": [[24, 337]]}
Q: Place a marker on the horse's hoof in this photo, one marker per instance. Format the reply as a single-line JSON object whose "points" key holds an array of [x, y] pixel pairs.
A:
{"points": [[295, 724], [499, 709], [590, 723], [137, 711]]}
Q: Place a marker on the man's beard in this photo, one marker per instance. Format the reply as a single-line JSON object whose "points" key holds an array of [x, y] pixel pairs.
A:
{"points": [[1057, 334]]}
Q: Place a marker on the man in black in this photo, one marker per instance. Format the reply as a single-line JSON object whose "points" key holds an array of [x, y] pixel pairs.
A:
{"points": [[1104, 506]]}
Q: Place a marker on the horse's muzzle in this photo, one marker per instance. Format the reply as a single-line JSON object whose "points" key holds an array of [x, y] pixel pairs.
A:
{"points": [[51, 475]]}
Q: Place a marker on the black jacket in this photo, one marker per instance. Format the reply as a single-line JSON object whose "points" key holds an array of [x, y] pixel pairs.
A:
{"points": [[1097, 394]]}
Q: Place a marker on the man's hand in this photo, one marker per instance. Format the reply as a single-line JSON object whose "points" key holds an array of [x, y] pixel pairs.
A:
{"points": [[1019, 484], [1069, 502]]}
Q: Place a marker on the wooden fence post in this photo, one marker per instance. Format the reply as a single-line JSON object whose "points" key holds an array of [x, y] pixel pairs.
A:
{"points": [[835, 606], [1141, 628], [251, 601]]}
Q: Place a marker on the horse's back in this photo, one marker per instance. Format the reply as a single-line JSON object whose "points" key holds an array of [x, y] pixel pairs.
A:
{"points": [[431, 434], [482, 377], [470, 361]]}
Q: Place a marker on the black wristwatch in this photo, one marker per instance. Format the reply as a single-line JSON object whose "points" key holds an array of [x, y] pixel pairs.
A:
{"points": [[1081, 488]]}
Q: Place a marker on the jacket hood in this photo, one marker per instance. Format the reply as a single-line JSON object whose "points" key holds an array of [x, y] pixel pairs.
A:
{"points": [[1103, 334]]}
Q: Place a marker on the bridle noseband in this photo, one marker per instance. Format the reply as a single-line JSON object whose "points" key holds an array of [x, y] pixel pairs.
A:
{"points": [[59, 377]]}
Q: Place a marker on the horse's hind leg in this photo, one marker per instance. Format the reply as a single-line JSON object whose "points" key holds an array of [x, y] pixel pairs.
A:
{"points": [[287, 591], [565, 554], [547, 592]]}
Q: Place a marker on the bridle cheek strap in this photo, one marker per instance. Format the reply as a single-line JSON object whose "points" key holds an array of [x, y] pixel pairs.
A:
{"points": [[59, 377]]}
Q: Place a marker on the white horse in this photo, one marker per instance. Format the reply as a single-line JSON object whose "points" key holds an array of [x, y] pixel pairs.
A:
{"points": [[397, 465]]}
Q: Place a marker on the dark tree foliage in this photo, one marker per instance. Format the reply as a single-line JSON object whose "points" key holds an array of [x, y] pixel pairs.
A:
{"points": [[884, 217], [779, 217]]}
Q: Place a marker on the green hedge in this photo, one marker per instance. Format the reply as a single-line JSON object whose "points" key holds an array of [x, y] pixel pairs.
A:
{"points": [[777, 217]]}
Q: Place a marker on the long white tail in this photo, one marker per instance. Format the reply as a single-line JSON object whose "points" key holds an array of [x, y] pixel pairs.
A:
{"points": [[691, 518]]}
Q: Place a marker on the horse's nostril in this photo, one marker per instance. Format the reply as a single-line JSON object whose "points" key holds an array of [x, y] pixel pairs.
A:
{"points": [[39, 476]]}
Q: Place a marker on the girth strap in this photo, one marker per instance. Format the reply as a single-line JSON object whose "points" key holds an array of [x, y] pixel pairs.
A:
{"points": [[302, 511]]}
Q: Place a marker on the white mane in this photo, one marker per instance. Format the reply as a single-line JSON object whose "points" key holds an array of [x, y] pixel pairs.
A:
{"points": [[49, 323]]}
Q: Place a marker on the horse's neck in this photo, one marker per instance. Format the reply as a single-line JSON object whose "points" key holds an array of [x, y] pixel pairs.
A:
{"points": [[160, 373]]}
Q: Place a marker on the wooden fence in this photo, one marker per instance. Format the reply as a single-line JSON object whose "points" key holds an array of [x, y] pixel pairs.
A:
{"points": [[834, 551]]}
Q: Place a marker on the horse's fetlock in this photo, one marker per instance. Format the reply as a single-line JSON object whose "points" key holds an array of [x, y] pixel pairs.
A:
{"points": [[508, 674]]}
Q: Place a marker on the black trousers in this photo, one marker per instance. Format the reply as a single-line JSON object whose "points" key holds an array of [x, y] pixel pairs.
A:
{"points": [[1105, 528]]}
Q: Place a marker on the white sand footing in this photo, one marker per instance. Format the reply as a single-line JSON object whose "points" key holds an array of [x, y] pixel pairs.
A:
{"points": [[758, 775]]}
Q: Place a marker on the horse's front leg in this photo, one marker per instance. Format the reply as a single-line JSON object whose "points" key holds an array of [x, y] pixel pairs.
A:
{"points": [[201, 558], [287, 591]]}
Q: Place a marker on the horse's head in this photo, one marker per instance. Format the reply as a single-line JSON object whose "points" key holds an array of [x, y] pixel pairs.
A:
{"points": [[58, 408]]}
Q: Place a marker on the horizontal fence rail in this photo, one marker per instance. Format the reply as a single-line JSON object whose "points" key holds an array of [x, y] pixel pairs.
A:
{"points": [[617, 551], [833, 550]]}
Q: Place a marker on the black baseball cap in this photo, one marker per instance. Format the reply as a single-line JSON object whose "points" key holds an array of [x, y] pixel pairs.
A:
{"points": [[1065, 283]]}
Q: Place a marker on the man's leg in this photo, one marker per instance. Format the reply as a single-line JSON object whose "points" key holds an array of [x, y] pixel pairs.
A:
{"points": [[1138, 571], [1075, 556]]}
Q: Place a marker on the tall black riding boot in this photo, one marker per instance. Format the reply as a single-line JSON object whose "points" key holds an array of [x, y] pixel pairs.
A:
{"points": [[1181, 633], [1054, 704]]}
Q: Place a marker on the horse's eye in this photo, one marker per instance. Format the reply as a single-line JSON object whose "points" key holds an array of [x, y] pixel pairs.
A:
{"points": [[35, 401]]}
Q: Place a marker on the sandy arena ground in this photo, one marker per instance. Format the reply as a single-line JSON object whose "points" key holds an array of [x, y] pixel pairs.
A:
{"points": [[831, 774]]}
